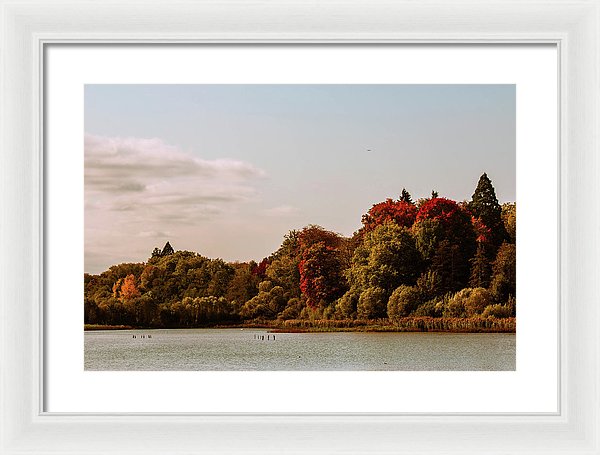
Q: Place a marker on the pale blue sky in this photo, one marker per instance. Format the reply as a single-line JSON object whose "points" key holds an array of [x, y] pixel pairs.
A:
{"points": [[231, 168]]}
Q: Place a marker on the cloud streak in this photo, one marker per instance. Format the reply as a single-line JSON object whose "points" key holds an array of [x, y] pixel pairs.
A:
{"points": [[143, 188], [117, 164]]}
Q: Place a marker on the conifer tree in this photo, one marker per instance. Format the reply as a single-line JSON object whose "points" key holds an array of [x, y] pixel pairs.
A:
{"points": [[481, 267], [167, 249], [405, 197], [484, 205]]}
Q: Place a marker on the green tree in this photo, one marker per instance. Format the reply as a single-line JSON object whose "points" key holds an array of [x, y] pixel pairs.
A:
{"points": [[221, 275], [285, 271], [284, 264], [504, 273], [403, 301], [267, 304], [293, 309], [150, 280], [445, 235], [428, 233], [372, 303], [387, 259], [346, 306], [451, 266], [469, 302], [509, 218], [243, 286], [429, 285], [497, 311]]}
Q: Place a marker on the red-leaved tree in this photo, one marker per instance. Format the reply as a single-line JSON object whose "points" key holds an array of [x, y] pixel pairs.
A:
{"points": [[483, 234], [320, 267], [446, 235], [400, 212], [321, 279]]}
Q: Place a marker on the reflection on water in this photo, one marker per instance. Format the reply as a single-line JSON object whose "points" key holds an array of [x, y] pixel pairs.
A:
{"points": [[255, 349]]}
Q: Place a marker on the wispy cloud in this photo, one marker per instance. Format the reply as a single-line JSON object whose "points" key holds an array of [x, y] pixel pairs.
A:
{"points": [[145, 188]]}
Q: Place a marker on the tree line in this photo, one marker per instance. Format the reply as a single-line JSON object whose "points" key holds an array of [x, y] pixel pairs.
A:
{"points": [[433, 257]]}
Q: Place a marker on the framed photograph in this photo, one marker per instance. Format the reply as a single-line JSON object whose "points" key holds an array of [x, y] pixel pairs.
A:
{"points": [[296, 227]]}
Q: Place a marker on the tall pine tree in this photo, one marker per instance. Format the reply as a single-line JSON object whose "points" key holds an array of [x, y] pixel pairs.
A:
{"points": [[405, 197], [484, 205], [481, 266], [167, 249]]}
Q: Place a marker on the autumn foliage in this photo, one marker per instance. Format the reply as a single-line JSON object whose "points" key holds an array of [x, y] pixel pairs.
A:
{"points": [[426, 265], [483, 234], [389, 211], [450, 215], [320, 274], [320, 266]]}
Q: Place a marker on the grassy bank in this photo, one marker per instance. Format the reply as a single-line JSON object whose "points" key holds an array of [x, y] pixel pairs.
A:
{"points": [[408, 324], [106, 327]]}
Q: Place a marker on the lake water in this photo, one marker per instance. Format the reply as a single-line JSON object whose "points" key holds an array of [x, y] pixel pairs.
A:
{"points": [[235, 349]]}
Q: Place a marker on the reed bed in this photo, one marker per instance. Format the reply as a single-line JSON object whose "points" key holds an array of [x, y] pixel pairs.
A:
{"points": [[106, 327], [407, 324]]}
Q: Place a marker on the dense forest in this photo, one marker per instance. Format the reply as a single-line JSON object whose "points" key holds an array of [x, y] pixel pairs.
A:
{"points": [[433, 259]]}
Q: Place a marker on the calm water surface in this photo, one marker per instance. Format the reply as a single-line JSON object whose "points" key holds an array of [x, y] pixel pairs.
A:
{"points": [[235, 349]]}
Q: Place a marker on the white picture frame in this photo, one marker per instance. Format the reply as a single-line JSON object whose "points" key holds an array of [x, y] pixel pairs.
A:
{"points": [[29, 25]]}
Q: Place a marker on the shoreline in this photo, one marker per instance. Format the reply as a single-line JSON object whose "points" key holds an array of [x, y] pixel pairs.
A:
{"points": [[408, 324], [92, 327]]}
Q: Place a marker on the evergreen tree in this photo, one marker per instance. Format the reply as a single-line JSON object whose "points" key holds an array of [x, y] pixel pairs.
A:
{"points": [[167, 249], [484, 205], [405, 197], [481, 267]]}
